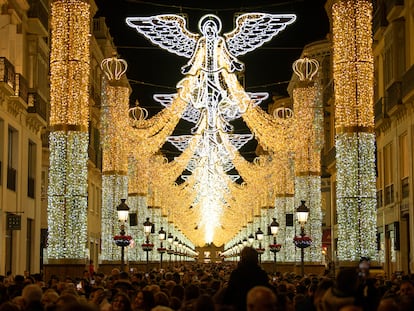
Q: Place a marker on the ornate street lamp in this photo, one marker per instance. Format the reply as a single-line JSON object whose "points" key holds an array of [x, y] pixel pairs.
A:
{"points": [[260, 250], [274, 248], [122, 240], [250, 238], [161, 249], [170, 251], [147, 246], [175, 243], [302, 241]]}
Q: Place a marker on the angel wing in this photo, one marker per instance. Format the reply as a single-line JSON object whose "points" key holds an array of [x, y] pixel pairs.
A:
{"points": [[167, 31], [254, 29]]}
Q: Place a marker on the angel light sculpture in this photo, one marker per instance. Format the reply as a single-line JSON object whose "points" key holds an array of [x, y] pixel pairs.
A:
{"points": [[215, 97]]}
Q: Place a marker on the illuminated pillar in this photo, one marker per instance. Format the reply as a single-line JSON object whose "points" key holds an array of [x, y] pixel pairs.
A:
{"points": [[353, 69], [114, 122], [68, 140], [309, 129]]}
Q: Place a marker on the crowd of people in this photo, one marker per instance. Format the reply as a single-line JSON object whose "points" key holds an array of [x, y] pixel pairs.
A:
{"points": [[205, 287]]}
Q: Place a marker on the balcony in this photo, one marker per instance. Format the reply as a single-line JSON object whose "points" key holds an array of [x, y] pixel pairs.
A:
{"points": [[408, 82], [22, 88], [37, 105], [7, 74], [394, 97], [38, 17], [379, 21]]}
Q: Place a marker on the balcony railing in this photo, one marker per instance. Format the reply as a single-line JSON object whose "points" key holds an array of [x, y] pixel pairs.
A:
{"points": [[408, 81], [37, 105], [22, 88], [7, 74]]}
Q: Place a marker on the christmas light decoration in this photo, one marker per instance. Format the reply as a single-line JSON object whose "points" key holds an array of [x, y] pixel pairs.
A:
{"points": [[354, 122], [309, 127], [69, 116], [209, 96], [114, 126]]}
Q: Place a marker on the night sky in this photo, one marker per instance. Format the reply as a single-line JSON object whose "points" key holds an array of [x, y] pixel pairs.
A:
{"points": [[153, 70]]}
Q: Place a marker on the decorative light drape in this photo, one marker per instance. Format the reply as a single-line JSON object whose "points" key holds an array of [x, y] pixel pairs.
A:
{"points": [[114, 122], [354, 123], [68, 139], [309, 127]]}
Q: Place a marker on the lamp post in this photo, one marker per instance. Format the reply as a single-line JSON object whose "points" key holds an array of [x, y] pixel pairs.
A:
{"points": [[302, 213], [161, 249], [170, 251], [175, 243], [147, 246], [260, 250], [274, 248], [250, 238], [123, 212]]}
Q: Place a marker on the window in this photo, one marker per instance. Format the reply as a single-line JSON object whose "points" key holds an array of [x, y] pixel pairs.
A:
{"points": [[404, 166], [31, 169], [394, 52], [12, 155], [388, 174]]}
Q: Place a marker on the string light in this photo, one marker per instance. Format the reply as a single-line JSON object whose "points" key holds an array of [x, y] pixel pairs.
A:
{"points": [[354, 121], [69, 115]]}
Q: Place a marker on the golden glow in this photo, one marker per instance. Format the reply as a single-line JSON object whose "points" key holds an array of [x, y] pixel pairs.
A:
{"points": [[69, 115], [354, 120]]}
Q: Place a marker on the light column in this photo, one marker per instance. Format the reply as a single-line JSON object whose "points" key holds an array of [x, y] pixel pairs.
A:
{"points": [[309, 129], [114, 122], [68, 139], [353, 72]]}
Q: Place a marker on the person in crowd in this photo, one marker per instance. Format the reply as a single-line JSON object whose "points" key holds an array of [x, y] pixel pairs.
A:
{"points": [[343, 293], [406, 288], [143, 300], [261, 298], [121, 302], [98, 297], [32, 296], [247, 275]]}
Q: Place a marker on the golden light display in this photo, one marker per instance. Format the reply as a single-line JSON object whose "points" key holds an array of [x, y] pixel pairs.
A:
{"points": [[69, 115], [309, 126], [354, 120], [114, 129]]}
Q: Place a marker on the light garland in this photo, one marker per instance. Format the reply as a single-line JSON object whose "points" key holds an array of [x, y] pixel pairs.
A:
{"points": [[354, 120], [306, 104], [69, 115]]}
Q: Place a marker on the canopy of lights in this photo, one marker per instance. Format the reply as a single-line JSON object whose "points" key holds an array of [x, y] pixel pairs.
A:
{"points": [[209, 193]]}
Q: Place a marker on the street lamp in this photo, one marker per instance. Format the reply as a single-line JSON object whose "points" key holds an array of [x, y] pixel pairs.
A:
{"points": [[302, 213], [147, 246], [123, 212], [274, 248], [175, 243], [260, 250], [161, 249], [250, 238], [170, 240]]}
